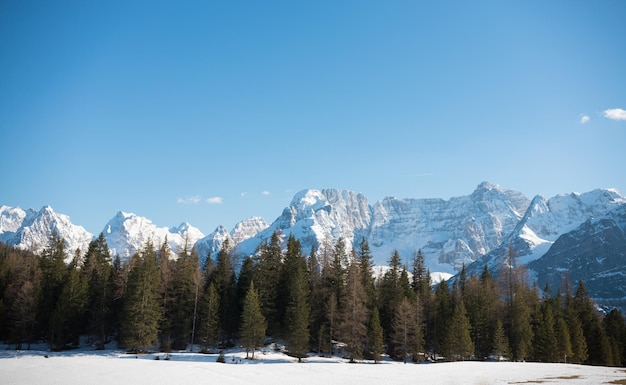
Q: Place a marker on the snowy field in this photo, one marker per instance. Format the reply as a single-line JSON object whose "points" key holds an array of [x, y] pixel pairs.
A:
{"points": [[114, 367]]}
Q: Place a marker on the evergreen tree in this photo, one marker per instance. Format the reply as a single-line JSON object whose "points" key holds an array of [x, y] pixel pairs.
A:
{"points": [[67, 318], [404, 331], [209, 318], [141, 308], [185, 285], [365, 260], [253, 323], [166, 275], [520, 327], [563, 340], [615, 330], [53, 269], [391, 292], [597, 342], [97, 272], [267, 279], [376, 343], [545, 341], [354, 315], [577, 336], [459, 343], [224, 278], [297, 294], [442, 317], [500, 342]]}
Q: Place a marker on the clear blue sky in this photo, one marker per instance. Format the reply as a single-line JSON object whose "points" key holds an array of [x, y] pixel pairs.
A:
{"points": [[214, 111]]}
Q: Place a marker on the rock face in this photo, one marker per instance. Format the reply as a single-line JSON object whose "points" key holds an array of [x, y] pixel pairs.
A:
{"points": [[32, 230], [594, 252], [582, 235], [126, 233]]}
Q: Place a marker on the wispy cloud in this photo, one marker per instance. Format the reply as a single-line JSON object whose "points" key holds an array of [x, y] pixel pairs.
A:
{"points": [[584, 119], [421, 174], [214, 200], [243, 194], [615, 114], [266, 193], [189, 200]]}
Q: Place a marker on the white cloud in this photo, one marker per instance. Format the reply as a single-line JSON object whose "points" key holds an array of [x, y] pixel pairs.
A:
{"points": [[243, 194], [266, 193], [214, 200], [189, 200], [584, 119], [615, 114]]}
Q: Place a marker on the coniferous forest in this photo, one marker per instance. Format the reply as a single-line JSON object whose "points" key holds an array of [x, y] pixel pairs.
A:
{"points": [[324, 301]]}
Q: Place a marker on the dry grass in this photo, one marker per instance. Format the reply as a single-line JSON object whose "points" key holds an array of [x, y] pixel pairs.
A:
{"points": [[574, 377], [618, 382]]}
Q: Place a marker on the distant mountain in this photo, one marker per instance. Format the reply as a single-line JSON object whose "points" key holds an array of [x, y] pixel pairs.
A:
{"points": [[32, 230], [581, 234], [126, 233]]}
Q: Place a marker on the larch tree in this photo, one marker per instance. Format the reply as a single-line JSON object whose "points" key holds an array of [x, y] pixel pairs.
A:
{"points": [[253, 323], [354, 315]]}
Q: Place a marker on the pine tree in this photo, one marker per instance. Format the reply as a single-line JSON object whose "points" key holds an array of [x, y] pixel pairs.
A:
{"points": [[597, 342], [563, 340], [141, 309], [166, 274], [185, 285], [440, 322], [354, 315], [391, 292], [365, 258], [253, 323], [520, 327]]}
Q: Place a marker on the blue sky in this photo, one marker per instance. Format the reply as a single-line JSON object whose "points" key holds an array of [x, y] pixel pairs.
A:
{"points": [[214, 111]]}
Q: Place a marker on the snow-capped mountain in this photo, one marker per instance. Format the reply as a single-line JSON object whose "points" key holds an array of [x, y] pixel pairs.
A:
{"points": [[595, 252], [547, 220], [449, 232], [566, 232], [127, 233], [32, 230], [243, 230]]}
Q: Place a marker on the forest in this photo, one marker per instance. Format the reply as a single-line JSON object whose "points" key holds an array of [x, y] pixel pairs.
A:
{"points": [[326, 301]]}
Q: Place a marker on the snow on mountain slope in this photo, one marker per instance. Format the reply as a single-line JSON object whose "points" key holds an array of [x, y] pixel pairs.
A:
{"points": [[546, 220], [315, 217], [126, 233], [32, 230], [449, 233]]}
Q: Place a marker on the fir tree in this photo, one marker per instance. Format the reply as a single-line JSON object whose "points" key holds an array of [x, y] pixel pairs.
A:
{"points": [[404, 330], [500, 342], [267, 270], [253, 323]]}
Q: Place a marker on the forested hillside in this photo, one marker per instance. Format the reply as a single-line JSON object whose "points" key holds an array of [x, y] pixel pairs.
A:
{"points": [[324, 301]]}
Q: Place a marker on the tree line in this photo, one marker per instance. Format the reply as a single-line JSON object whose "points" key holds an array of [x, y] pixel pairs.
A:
{"points": [[325, 302]]}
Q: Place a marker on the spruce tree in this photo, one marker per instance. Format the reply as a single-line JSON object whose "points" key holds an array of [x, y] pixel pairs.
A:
{"points": [[97, 272], [253, 323], [224, 278], [267, 268], [209, 318], [141, 310], [376, 343], [296, 320], [616, 333], [500, 342], [458, 341]]}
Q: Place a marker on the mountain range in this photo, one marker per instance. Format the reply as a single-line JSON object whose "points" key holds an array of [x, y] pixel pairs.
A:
{"points": [[583, 235]]}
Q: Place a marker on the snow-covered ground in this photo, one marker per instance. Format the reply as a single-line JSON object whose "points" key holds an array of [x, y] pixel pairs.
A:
{"points": [[114, 367]]}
